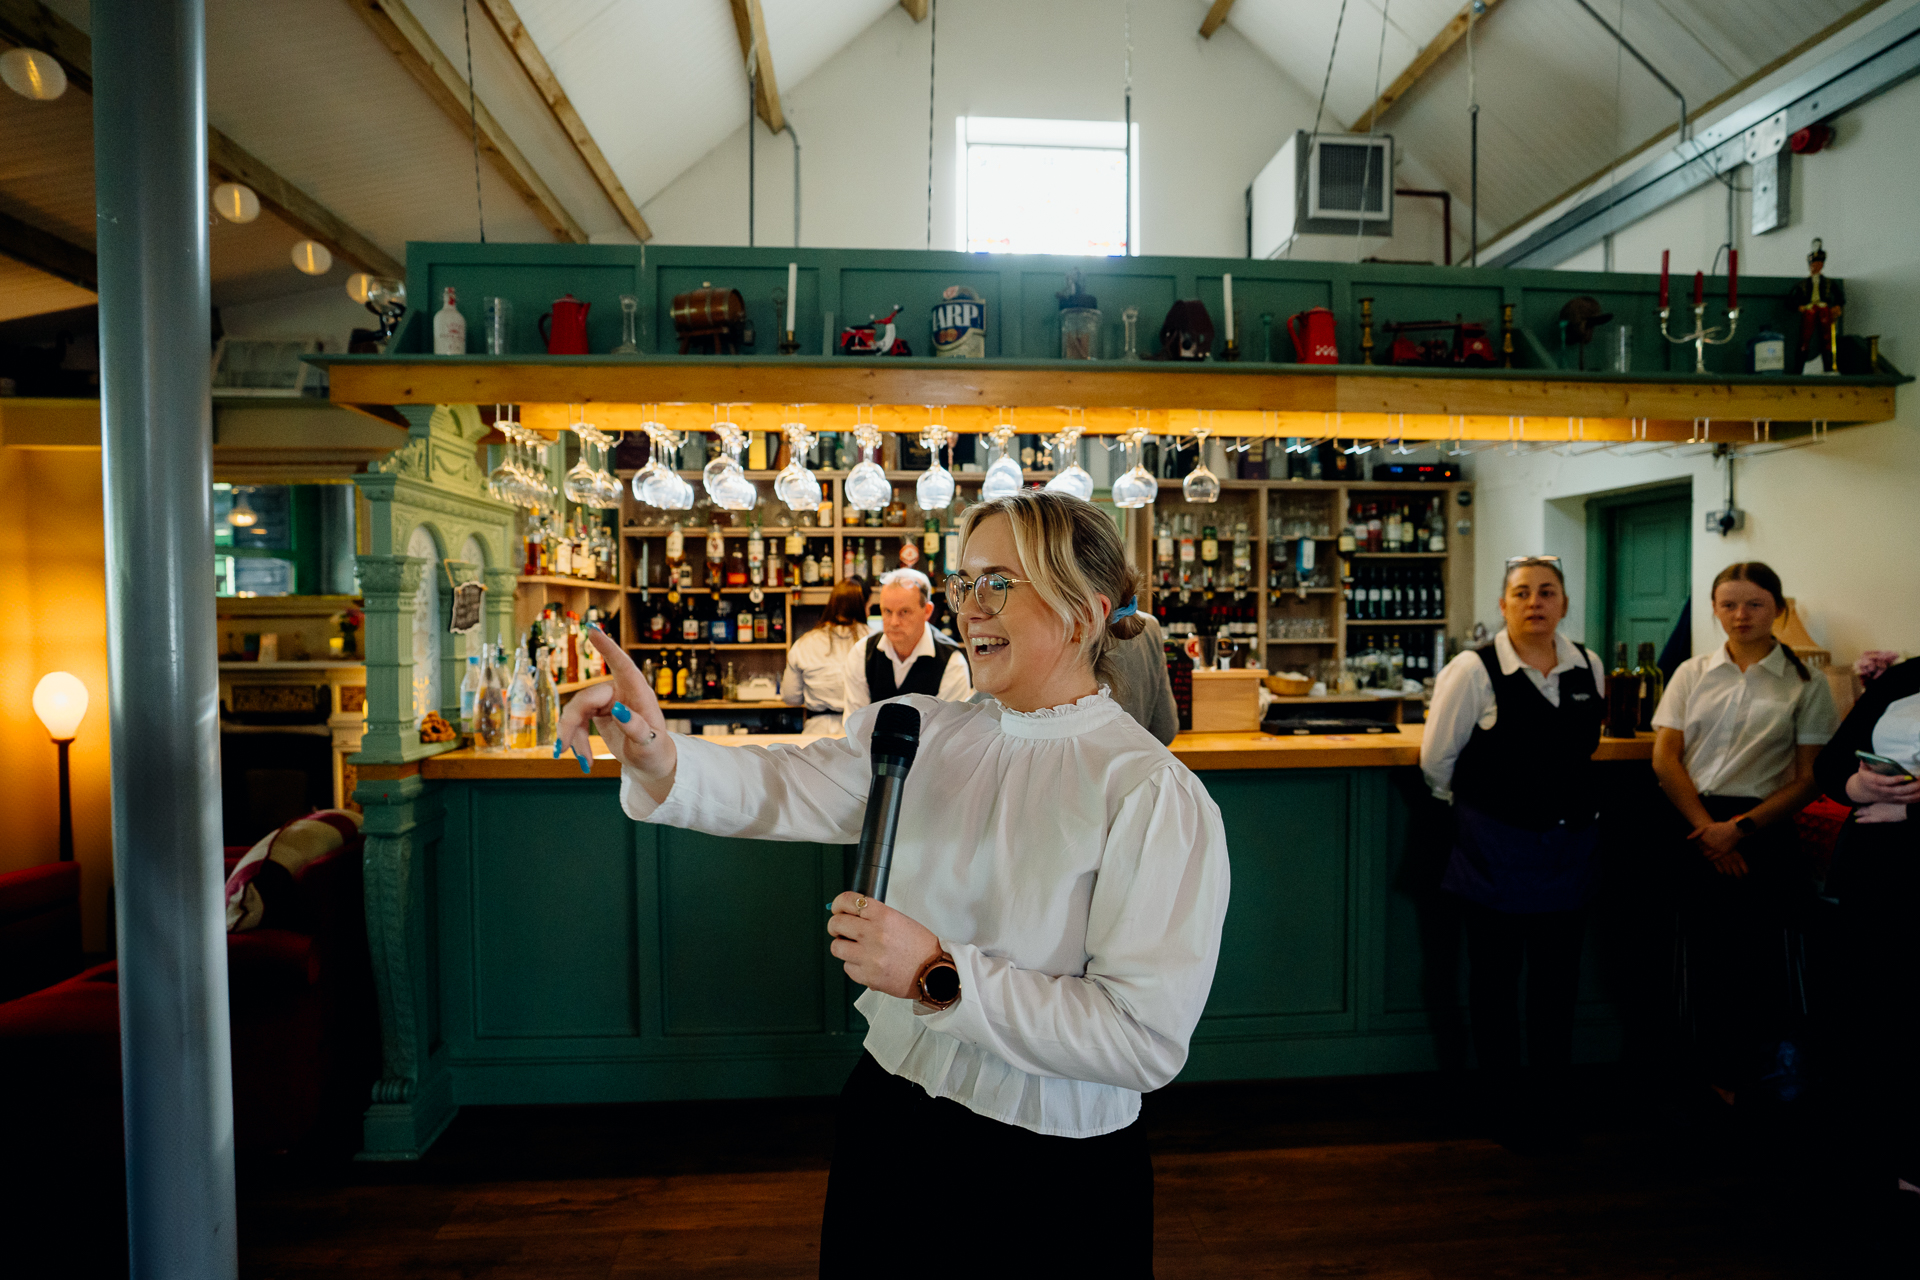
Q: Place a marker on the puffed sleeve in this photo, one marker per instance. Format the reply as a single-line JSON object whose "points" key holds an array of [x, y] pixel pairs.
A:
{"points": [[1153, 939], [815, 792]]}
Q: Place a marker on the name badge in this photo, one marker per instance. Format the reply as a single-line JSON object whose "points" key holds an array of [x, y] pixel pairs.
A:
{"points": [[1582, 697]]}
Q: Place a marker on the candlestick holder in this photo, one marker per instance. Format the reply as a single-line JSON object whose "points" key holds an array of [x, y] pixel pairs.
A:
{"points": [[1702, 337], [1232, 351], [788, 343]]}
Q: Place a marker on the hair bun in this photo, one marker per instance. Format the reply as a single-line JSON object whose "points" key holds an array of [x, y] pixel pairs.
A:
{"points": [[1128, 627]]}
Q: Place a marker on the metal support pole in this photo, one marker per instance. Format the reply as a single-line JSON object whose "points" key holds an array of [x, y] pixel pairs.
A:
{"points": [[150, 184], [66, 801]]}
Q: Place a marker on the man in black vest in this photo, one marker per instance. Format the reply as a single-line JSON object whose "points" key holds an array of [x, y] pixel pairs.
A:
{"points": [[906, 655]]}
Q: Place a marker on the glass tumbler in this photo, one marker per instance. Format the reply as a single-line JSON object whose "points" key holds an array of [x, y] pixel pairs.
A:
{"points": [[496, 316]]}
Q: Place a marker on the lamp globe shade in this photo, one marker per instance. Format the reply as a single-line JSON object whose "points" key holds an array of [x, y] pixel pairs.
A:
{"points": [[60, 700]]}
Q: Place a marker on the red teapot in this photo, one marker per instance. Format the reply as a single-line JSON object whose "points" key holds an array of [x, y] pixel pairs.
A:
{"points": [[564, 329], [1313, 340]]}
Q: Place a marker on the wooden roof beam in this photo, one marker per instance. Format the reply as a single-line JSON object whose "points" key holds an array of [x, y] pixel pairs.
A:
{"points": [[29, 23], [1215, 19], [44, 251], [916, 9], [409, 42], [752, 29], [534, 63], [1450, 35]]}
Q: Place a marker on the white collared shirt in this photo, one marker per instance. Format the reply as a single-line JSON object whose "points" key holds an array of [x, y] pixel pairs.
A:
{"points": [[1463, 699], [1074, 869], [956, 682], [1742, 727], [815, 677]]}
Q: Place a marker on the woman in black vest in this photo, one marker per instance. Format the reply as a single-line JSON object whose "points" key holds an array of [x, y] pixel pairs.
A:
{"points": [[1509, 742]]}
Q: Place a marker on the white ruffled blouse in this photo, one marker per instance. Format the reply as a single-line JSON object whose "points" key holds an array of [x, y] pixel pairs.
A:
{"points": [[1075, 870]]}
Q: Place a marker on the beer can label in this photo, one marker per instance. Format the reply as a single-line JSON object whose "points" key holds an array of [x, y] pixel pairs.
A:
{"points": [[960, 324]]}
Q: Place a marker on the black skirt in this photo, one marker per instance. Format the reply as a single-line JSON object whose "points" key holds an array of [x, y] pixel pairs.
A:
{"points": [[921, 1186]]}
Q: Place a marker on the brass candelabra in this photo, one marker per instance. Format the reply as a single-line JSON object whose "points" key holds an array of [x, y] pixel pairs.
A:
{"points": [[1702, 337]]}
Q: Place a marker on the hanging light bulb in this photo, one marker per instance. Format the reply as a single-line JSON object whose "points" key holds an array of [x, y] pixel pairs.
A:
{"points": [[934, 489], [1201, 485], [1072, 479], [796, 486], [236, 202], [312, 257], [1003, 477], [867, 487], [360, 285], [33, 74], [242, 516]]}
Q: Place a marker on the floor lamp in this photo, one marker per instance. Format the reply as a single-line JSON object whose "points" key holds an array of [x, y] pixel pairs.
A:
{"points": [[60, 700]]}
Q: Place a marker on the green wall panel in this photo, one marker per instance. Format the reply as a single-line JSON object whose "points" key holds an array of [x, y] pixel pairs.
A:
{"points": [[742, 932], [553, 917], [1115, 286], [1284, 949]]}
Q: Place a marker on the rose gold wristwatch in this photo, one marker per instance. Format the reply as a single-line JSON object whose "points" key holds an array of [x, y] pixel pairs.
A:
{"points": [[938, 982]]}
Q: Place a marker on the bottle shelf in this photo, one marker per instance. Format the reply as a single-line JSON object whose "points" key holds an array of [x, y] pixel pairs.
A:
{"points": [[556, 580], [703, 644], [725, 591], [1395, 555], [721, 704], [1397, 622], [1315, 640]]}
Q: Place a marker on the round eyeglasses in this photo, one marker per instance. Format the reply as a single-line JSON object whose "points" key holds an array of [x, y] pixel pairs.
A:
{"points": [[990, 589]]}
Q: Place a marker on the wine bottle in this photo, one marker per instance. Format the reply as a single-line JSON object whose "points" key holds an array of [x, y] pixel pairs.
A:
{"points": [[1623, 697], [1652, 685]]}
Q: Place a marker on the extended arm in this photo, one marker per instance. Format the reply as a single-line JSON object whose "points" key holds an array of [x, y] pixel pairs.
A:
{"points": [[1153, 938]]}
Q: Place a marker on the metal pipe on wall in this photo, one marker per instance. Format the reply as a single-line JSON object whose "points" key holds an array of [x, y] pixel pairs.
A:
{"points": [[150, 166]]}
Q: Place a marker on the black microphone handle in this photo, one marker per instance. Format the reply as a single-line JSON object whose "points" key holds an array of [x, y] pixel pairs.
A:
{"points": [[876, 834]]}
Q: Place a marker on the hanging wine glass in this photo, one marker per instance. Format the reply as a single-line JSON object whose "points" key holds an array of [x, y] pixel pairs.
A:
{"points": [[1201, 485], [796, 486], [647, 480], [725, 482], [1136, 487], [934, 488], [671, 491], [500, 479], [1072, 479], [607, 483], [867, 486], [1003, 475], [578, 485]]}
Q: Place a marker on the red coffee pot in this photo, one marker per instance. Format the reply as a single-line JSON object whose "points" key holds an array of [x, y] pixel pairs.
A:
{"points": [[1313, 338], [564, 329]]}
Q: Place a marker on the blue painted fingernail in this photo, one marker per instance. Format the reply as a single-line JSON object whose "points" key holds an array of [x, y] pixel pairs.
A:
{"points": [[597, 627], [621, 713], [558, 747], [586, 765]]}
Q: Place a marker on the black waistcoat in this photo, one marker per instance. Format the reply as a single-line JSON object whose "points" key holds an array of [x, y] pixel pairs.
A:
{"points": [[922, 677], [1534, 768]]}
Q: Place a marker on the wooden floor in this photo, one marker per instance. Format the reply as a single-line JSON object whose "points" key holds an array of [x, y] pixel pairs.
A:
{"points": [[1350, 1178]]}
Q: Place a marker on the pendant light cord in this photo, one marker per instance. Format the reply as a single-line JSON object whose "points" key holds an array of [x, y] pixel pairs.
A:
{"points": [[933, 49], [473, 120], [1300, 191], [1373, 122]]}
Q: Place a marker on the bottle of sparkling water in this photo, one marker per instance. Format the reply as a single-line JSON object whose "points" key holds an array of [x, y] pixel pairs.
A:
{"points": [[546, 703], [522, 705]]}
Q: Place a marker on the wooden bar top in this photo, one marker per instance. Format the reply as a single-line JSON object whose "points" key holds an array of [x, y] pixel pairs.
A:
{"points": [[1200, 752]]}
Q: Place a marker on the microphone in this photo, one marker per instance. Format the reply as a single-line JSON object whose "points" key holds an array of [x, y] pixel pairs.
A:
{"points": [[896, 739]]}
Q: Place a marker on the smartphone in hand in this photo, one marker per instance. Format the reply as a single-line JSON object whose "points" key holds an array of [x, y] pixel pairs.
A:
{"points": [[1884, 767]]}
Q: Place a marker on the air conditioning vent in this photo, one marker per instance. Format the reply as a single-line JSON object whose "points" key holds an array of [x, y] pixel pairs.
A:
{"points": [[1321, 184]]}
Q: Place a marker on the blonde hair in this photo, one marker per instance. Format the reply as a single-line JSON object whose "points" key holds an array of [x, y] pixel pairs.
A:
{"points": [[1072, 555]]}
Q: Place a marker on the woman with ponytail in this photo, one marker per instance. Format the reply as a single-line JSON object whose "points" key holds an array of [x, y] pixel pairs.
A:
{"points": [[1736, 734]]}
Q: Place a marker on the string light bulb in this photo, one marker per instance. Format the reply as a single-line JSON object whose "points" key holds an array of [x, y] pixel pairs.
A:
{"points": [[33, 74], [312, 257], [236, 202]]}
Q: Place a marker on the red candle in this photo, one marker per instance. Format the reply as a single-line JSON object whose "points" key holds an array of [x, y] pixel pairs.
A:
{"points": [[1733, 279], [1664, 255], [1699, 287]]}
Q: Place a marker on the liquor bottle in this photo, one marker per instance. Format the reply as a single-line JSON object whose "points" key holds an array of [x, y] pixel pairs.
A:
{"points": [[663, 677], [756, 557], [1376, 531], [720, 626], [449, 328], [756, 451], [1390, 530], [712, 687], [682, 679], [1652, 685], [1242, 555], [730, 685], [490, 707], [930, 547], [560, 556], [809, 571], [760, 627], [878, 564], [1163, 546], [1623, 697], [950, 550], [470, 693], [1437, 526], [846, 559], [777, 628]]}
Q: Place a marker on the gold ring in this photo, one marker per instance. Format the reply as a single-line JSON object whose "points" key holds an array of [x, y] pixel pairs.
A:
{"points": [[859, 905]]}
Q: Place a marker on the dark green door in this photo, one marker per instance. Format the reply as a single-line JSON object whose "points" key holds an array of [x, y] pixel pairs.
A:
{"points": [[1647, 555]]}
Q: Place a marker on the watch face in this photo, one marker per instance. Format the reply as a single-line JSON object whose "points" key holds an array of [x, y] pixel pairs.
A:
{"points": [[941, 984]]}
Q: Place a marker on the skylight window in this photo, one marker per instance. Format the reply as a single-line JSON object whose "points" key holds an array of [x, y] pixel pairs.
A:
{"points": [[1048, 186]]}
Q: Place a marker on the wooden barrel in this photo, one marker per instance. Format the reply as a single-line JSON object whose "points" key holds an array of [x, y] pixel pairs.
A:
{"points": [[706, 310]]}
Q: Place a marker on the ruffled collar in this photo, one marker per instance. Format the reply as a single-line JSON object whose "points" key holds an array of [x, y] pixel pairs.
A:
{"points": [[1065, 721]]}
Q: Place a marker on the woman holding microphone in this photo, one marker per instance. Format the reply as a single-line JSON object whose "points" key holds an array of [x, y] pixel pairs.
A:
{"points": [[1058, 888], [1509, 742], [1736, 734]]}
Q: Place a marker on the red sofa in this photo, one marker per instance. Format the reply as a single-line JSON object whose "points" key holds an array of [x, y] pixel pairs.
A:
{"points": [[39, 927], [305, 1032]]}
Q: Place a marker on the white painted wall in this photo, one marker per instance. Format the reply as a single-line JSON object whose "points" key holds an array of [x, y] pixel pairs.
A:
{"points": [[1839, 521], [1211, 114]]}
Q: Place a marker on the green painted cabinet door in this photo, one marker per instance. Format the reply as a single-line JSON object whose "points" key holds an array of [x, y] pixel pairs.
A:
{"points": [[1649, 562]]}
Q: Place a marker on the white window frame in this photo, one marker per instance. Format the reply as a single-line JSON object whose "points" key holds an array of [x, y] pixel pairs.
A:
{"points": [[1018, 132]]}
